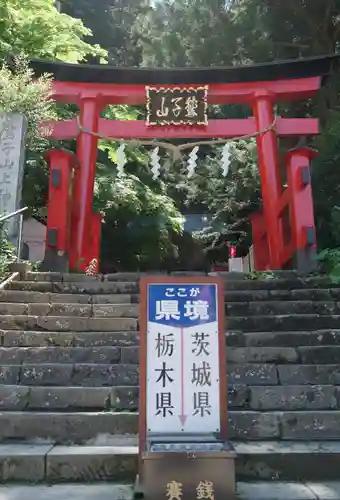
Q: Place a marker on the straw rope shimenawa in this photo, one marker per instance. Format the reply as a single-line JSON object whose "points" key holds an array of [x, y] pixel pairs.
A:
{"points": [[176, 150]]}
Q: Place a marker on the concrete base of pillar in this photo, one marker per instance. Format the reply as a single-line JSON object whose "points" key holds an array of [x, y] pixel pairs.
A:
{"points": [[304, 260], [55, 261]]}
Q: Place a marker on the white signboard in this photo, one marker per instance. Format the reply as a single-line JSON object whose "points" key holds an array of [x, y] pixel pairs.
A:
{"points": [[183, 380], [12, 150]]}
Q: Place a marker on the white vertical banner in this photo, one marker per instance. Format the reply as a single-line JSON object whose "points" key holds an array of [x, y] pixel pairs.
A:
{"points": [[182, 369]]}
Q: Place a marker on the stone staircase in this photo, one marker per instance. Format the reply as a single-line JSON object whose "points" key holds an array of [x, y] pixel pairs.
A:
{"points": [[69, 382]]}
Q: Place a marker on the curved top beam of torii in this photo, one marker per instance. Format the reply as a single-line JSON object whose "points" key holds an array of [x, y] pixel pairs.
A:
{"points": [[103, 73], [284, 80]]}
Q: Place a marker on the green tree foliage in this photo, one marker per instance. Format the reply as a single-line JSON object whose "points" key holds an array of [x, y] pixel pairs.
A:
{"points": [[272, 29], [21, 93], [36, 29], [112, 23], [247, 31], [7, 252], [141, 220], [326, 184], [187, 33]]}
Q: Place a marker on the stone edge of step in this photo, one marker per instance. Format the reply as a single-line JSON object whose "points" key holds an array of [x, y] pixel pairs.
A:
{"points": [[28, 398], [122, 274], [128, 445], [115, 491], [38, 463], [293, 283], [245, 425]]}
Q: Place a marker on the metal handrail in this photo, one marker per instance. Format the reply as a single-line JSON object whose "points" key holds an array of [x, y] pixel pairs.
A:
{"points": [[19, 212], [12, 214]]}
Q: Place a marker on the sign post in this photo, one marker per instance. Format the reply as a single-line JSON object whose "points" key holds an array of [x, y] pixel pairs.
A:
{"points": [[183, 393], [177, 106], [12, 152]]}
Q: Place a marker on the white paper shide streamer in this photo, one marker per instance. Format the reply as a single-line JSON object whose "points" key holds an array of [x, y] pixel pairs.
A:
{"points": [[156, 166], [192, 162], [121, 160], [225, 159]]}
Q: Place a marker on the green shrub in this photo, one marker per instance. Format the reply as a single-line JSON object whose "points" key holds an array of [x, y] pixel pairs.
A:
{"points": [[7, 252], [329, 260]]}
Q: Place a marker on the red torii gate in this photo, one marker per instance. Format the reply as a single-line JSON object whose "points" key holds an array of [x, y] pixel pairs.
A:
{"points": [[73, 229]]}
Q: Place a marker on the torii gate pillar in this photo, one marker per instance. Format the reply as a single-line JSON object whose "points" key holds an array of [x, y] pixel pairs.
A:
{"points": [[268, 157], [81, 218]]}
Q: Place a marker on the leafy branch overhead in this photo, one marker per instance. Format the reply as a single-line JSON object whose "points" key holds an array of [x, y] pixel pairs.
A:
{"points": [[21, 93], [36, 29]]}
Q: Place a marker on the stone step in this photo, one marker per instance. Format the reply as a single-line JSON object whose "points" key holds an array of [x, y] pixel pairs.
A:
{"points": [[316, 464], [275, 308], [31, 297], [28, 398], [285, 398], [113, 354], [20, 338], [73, 277], [121, 310], [288, 461], [283, 295], [101, 427], [67, 427], [24, 296], [96, 286], [104, 375], [82, 310], [283, 339], [66, 375], [326, 295], [60, 277], [116, 310], [270, 374], [278, 490], [260, 490], [280, 284], [87, 287], [116, 305], [36, 463], [274, 463], [283, 323], [67, 323], [81, 491], [256, 398], [135, 276], [36, 355], [305, 355], [125, 398]]}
